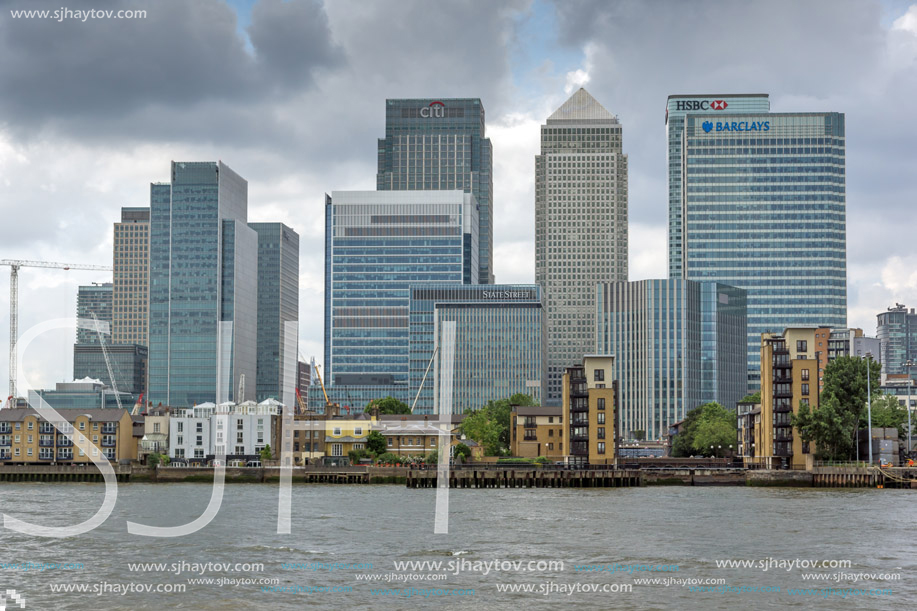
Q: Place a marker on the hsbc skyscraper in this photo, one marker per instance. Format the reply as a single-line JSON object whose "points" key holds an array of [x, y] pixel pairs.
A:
{"points": [[676, 108], [757, 200]]}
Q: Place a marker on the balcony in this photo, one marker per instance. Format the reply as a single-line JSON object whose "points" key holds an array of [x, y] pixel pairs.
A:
{"points": [[64, 442], [6, 440], [49, 456], [5, 428], [531, 437], [5, 457], [530, 424], [109, 429], [109, 442], [46, 428], [65, 456], [46, 442]]}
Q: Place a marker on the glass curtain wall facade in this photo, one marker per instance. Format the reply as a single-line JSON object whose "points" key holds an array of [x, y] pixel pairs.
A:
{"points": [[131, 290], [580, 225], [203, 275], [499, 343], [128, 364], [377, 245], [897, 332], [93, 299], [677, 107], [765, 210], [675, 344], [440, 144], [278, 304]]}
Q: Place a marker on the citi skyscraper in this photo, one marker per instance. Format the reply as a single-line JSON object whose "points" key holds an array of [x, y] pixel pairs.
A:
{"points": [[580, 225], [439, 144]]}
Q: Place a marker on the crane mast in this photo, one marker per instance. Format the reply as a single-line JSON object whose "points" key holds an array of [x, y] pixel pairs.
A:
{"points": [[14, 265]]}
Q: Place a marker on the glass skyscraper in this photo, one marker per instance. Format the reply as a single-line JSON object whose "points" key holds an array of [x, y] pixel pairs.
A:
{"points": [[580, 225], [278, 306], [677, 344], [128, 364], [378, 244], [440, 144], [677, 107], [764, 209], [897, 331], [93, 299], [203, 287], [499, 343]]}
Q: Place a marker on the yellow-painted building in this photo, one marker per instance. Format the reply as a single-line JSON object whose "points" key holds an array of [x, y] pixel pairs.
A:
{"points": [[589, 396], [343, 435], [27, 437], [792, 364], [538, 431]]}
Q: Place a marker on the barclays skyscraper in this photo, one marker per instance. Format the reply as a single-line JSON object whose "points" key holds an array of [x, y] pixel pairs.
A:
{"points": [[763, 204], [203, 287], [440, 144]]}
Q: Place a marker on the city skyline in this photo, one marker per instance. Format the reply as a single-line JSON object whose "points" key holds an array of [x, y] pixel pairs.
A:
{"points": [[97, 172]]}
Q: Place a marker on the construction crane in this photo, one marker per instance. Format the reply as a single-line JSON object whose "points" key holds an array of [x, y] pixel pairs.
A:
{"points": [[111, 374], [14, 265]]}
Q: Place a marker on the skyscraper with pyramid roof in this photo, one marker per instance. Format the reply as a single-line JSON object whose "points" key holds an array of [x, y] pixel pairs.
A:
{"points": [[580, 224]]}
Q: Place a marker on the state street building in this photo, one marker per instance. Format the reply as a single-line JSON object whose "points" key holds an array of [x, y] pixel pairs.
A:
{"points": [[499, 343]]}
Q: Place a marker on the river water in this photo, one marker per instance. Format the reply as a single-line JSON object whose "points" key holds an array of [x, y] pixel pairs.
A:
{"points": [[497, 540]]}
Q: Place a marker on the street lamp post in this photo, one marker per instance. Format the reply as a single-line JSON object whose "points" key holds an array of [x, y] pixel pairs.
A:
{"points": [[869, 406], [907, 365]]}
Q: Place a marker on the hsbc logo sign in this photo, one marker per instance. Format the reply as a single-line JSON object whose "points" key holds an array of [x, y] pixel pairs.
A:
{"points": [[687, 105], [434, 110]]}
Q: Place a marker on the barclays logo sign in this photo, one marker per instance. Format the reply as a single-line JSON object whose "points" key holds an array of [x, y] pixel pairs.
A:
{"points": [[737, 126]]}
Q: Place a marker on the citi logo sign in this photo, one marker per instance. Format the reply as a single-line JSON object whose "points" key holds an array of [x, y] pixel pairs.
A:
{"points": [[700, 105], [434, 110], [13, 597]]}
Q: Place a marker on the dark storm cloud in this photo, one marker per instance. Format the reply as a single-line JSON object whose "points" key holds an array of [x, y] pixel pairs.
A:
{"points": [[183, 53], [809, 56], [292, 39]]}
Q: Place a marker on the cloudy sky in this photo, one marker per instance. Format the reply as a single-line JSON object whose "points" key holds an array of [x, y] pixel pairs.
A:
{"points": [[291, 96]]}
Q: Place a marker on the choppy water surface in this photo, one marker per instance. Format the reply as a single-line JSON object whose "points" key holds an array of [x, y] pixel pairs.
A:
{"points": [[340, 531]]}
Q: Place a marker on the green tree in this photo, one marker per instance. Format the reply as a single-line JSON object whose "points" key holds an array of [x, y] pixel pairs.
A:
{"points": [[482, 426], [356, 455], [753, 398], [841, 409], [461, 452], [639, 434], [375, 443], [888, 413], [683, 443], [153, 459], [390, 405], [716, 427], [266, 453]]}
